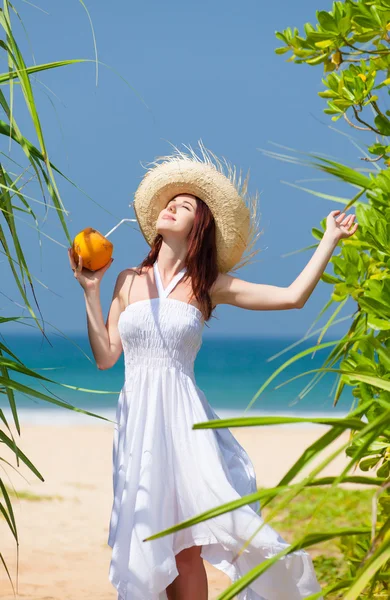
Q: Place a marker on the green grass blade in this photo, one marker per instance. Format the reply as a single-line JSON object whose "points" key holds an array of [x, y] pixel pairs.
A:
{"points": [[380, 557], [6, 381]]}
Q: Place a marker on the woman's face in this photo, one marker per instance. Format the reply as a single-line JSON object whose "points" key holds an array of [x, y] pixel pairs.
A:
{"points": [[178, 216]]}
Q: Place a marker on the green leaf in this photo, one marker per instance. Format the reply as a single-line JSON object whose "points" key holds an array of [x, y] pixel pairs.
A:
{"points": [[316, 60], [344, 25], [382, 124], [328, 94], [317, 233], [378, 324], [329, 66], [368, 463], [384, 470], [383, 83], [324, 43], [327, 278], [282, 50], [308, 28], [364, 22], [281, 36], [326, 21]]}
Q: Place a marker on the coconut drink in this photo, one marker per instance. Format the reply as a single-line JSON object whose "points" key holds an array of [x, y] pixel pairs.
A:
{"points": [[94, 247]]}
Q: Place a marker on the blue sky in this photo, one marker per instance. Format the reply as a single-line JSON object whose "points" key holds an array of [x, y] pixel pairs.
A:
{"points": [[194, 70]]}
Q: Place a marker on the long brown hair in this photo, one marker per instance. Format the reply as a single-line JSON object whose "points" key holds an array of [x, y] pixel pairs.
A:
{"points": [[201, 259]]}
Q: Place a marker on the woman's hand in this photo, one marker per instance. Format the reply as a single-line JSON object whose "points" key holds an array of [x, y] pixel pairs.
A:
{"points": [[340, 227], [87, 279]]}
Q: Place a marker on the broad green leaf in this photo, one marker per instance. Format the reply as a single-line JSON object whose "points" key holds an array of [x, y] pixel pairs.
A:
{"points": [[382, 124]]}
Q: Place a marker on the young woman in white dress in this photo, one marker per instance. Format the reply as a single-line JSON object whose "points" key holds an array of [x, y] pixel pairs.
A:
{"points": [[156, 317]]}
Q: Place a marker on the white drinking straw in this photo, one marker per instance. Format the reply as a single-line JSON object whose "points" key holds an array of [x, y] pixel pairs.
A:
{"points": [[120, 223]]}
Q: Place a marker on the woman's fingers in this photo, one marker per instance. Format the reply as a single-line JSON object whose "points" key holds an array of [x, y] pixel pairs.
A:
{"points": [[344, 220], [71, 259], [348, 220], [340, 217]]}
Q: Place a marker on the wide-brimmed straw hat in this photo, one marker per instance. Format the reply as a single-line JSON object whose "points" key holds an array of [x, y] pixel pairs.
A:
{"points": [[234, 211]]}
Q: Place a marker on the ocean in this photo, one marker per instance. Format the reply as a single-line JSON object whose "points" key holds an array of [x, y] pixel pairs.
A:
{"points": [[230, 371]]}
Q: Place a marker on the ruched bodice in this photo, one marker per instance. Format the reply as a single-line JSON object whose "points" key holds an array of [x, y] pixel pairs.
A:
{"points": [[161, 332]]}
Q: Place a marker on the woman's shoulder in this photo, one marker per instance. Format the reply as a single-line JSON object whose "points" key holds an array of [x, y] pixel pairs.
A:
{"points": [[125, 280], [127, 274], [223, 287], [218, 287], [132, 272]]}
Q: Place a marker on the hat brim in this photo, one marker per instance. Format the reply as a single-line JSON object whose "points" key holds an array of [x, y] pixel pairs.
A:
{"points": [[179, 176]]}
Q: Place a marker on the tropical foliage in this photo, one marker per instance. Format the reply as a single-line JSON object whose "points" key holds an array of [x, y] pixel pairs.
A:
{"points": [[351, 45], [17, 206]]}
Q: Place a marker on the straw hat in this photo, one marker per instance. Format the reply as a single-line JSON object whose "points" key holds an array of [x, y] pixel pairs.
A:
{"points": [[233, 210]]}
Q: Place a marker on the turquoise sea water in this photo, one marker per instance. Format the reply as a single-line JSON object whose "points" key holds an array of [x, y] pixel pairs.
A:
{"points": [[230, 371]]}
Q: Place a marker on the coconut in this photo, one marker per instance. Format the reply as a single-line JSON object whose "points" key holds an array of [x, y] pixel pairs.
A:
{"points": [[93, 247]]}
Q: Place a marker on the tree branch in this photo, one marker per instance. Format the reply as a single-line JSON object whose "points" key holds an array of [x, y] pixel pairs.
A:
{"points": [[367, 51], [355, 126], [364, 122], [372, 159]]}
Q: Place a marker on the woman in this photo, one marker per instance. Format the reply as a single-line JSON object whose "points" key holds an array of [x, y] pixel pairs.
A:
{"points": [[199, 222]]}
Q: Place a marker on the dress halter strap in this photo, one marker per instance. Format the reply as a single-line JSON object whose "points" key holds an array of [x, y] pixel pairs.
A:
{"points": [[164, 293]]}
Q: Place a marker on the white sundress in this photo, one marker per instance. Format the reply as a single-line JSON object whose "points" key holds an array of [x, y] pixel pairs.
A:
{"points": [[164, 472]]}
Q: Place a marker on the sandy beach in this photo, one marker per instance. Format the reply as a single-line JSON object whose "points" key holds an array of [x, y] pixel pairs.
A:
{"points": [[63, 550]]}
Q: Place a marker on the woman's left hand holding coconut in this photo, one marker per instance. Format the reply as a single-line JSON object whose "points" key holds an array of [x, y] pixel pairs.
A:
{"points": [[90, 257], [90, 282]]}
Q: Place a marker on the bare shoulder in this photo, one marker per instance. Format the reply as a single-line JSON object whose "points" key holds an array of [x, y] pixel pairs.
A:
{"points": [[123, 284], [219, 287], [131, 272], [126, 276]]}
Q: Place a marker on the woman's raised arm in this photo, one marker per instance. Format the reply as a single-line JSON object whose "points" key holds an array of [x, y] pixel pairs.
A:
{"points": [[259, 296]]}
